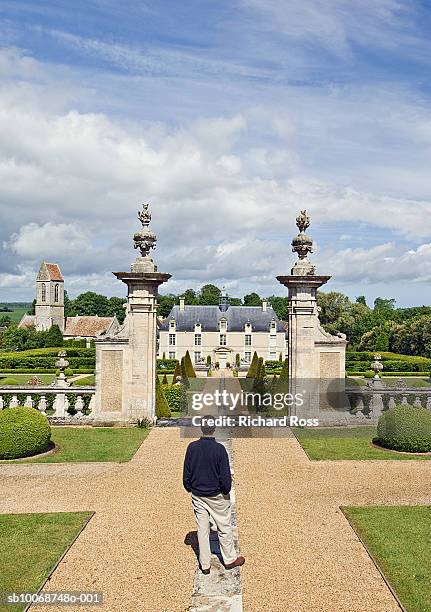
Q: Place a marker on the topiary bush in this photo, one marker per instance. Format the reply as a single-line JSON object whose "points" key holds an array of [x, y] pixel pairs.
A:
{"points": [[23, 432], [405, 428]]}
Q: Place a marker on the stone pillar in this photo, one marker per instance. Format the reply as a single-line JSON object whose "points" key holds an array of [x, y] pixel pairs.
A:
{"points": [[316, 358], [126, 362]]}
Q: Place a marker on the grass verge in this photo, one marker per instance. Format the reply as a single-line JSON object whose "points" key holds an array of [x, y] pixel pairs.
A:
{"points": [[31, 546], [346, 443], [77, 444], [398, 538]]}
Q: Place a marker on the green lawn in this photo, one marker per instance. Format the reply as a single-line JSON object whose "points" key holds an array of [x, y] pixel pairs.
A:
{"points": [[399, 540], [23, 379], [77, 444], [87, 381], [353, 443], [31, 546]]}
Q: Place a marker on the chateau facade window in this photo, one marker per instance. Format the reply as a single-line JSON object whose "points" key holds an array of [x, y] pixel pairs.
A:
{"points": [[172, 340], [247, 340], [56, 292], [223, 339], [198, 356], [172, 355], [247, 356], [198, 339], [43, 292]]}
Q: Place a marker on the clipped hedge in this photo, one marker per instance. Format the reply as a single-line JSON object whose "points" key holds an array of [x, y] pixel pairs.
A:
{"points": [[358, 361], [176, 397], [23, 432], [166, 366], [405, 428]]}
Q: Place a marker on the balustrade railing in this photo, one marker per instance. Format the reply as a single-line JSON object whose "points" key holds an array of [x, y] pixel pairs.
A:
{"points": [[57, 403], [370, 402]]}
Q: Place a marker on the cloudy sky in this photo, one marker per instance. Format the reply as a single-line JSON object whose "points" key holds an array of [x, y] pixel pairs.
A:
{"points": [[228, 117]]}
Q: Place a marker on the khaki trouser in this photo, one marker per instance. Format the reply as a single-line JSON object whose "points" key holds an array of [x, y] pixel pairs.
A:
{"points": [[218, 508]]}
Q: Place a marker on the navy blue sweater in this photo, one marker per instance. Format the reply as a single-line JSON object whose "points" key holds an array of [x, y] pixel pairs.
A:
{"points": [[206, 468]]}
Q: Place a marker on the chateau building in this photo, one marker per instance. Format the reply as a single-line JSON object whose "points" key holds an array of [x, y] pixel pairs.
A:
{"points": [[49, 309], [222, 332]]}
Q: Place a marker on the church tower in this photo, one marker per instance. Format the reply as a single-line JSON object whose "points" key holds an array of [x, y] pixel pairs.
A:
{"points": [[49, 309]]}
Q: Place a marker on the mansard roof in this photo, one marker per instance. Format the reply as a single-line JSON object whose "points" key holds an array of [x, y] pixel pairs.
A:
{"points": [[50, 272], [209, 317]]}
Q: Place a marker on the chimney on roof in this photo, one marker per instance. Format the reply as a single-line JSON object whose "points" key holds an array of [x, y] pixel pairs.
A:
{"points": [[182, 303], [264, 304]]}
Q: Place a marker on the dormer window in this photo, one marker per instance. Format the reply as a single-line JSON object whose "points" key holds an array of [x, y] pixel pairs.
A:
{"points": [[223, 325], [198, 328], [273, 327], [247, 328], [172, 324]]}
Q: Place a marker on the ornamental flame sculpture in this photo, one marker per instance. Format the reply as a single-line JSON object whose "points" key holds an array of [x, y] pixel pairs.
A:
{"points": [[302, 245], [144, 239]]}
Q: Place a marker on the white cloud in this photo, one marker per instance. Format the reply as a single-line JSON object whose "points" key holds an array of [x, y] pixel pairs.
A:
{"points": [[224, 190]]}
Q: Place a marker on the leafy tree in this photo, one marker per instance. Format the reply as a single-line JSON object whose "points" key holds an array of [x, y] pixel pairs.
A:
{"points": [[116, 308], [235, 301], [90, 304], [53, 336], [252, 299], [166, 303], [68, 305], [361, 300], [384, 304], [332, 305], [209, 295], [32, 310], [190, 297], [5, 321], [280, 306]]}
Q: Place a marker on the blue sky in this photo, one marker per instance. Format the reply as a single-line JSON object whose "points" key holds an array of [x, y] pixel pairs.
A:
{"points": [[228, 117]]}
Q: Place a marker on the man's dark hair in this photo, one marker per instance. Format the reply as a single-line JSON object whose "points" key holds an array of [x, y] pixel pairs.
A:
{"points": [[207, 425]]}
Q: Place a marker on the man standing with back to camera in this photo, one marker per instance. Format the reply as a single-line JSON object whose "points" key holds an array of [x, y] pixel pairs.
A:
{"points": [[207, 477]]}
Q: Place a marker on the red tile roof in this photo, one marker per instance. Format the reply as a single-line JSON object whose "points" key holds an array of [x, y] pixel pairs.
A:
{"points": [[87, 326], [54, 272]]}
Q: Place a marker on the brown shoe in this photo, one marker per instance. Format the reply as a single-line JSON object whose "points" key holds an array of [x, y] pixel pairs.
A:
{"points": [[237, 563]]}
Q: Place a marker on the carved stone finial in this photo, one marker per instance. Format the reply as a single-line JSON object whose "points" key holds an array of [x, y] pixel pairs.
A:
{"points": [[303, 221], [144, 240], [144, 215], [303, 245]]}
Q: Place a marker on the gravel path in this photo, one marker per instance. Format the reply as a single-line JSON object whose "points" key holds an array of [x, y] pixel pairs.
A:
{"points": [[302, 554], [133, 548]]}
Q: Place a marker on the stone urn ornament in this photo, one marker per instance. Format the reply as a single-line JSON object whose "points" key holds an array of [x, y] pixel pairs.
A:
{"points": [[377, 366], [62, 364]]}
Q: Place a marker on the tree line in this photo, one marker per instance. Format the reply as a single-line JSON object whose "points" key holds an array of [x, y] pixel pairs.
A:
{"points": [[380, 327]]}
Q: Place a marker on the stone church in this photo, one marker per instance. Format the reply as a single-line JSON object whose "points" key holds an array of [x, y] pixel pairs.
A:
{"points": [[222, 332], [49, 309]]}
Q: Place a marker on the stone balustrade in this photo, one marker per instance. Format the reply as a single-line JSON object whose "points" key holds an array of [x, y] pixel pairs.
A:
{"points": [[369, 403], [59, 404]]}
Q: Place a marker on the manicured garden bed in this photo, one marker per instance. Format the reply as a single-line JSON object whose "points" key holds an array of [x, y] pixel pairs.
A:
{"points": [[31, 545], [399, 540], [346, 443], [77, 444]]}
